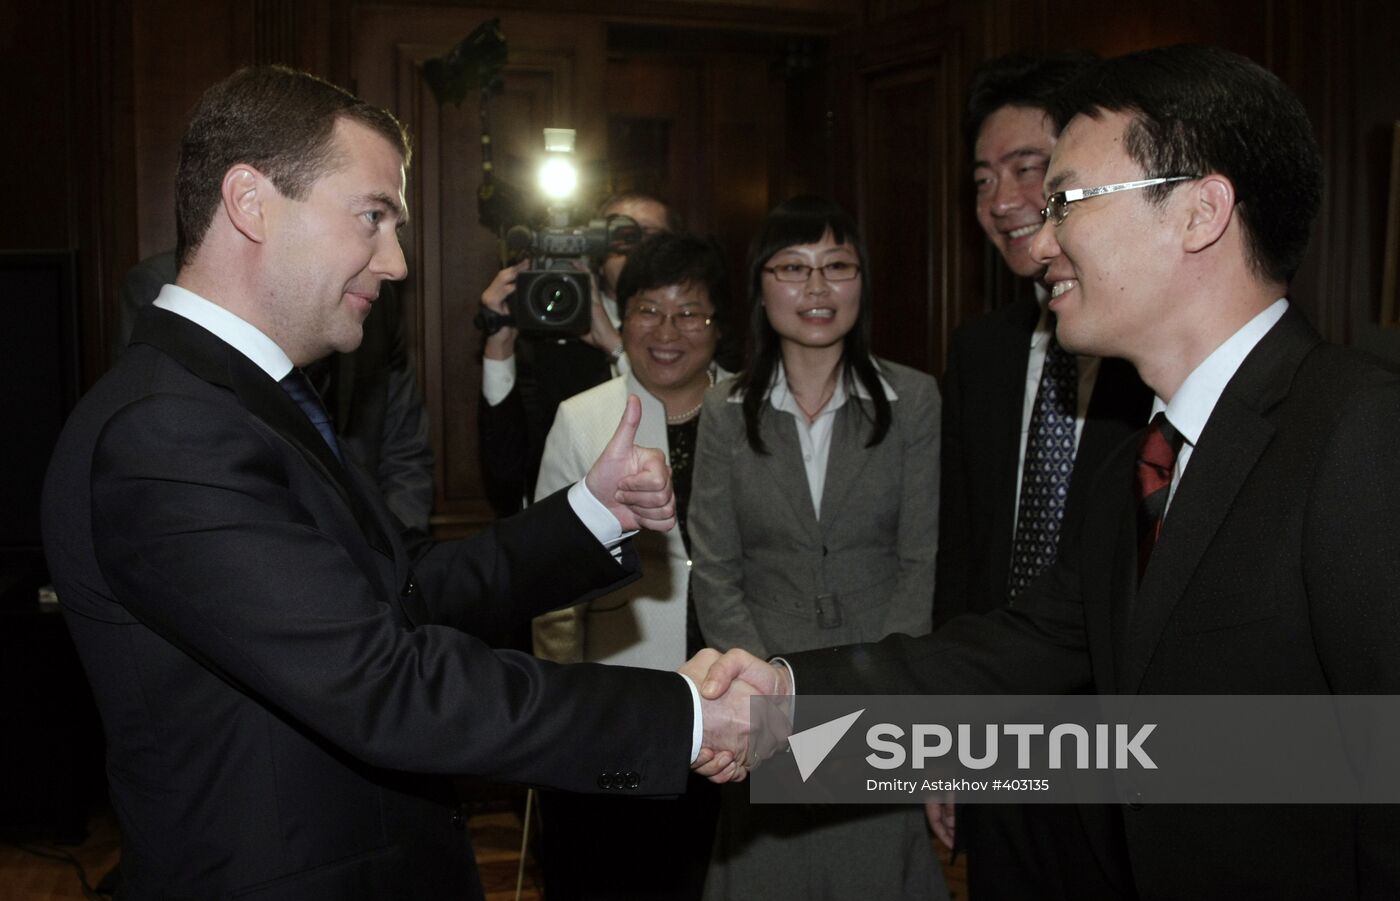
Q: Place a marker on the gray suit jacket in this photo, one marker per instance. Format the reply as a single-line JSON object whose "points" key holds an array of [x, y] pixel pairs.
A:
{"points": [[768, 574]]}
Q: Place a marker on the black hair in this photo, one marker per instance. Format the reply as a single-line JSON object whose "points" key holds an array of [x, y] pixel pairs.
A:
{"points": [[1018, 79], [675, 259], [804, 220], [1200, 110]]}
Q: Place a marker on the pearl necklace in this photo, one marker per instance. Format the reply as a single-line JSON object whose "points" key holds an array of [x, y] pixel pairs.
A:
{"points": [[678, 418]]}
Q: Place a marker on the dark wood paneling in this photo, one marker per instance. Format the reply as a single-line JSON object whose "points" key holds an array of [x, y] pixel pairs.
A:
{"points": [[106, 89], [908, 100], [555, 66], [907, 204]]}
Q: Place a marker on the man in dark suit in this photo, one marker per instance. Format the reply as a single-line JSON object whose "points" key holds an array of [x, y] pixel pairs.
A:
{"points": [[1025, 424], [1249, 542], [283, 685], [371, 393]]}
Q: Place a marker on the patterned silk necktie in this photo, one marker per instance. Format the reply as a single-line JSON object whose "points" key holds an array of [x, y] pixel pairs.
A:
{"points": [[1048, 465], [299, 389], [1155, 464]]}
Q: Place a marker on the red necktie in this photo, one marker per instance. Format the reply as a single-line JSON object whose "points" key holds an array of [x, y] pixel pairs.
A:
{"points": [[1155, 464]]}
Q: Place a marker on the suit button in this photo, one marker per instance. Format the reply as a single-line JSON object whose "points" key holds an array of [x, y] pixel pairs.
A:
{"points": [[605, 781], [634, 780], [459, 821]]}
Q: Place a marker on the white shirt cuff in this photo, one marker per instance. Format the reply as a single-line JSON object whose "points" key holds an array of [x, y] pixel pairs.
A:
{"points": [[497, 379], [792, 677], [697, 731], [597, 518]]}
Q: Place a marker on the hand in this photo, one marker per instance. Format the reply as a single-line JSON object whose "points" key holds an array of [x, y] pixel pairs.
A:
{"points": [[634, 483], [942, 819], [501, 346], [739, 665], [719, 766], [601, 333], [733, 745]]}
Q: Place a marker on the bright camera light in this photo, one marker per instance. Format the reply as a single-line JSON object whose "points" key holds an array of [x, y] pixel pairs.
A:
{"points": [[558, 178]]}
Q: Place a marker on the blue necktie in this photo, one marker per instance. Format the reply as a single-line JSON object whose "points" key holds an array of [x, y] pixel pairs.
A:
{"points": [[299, 389], [1048, 465]]}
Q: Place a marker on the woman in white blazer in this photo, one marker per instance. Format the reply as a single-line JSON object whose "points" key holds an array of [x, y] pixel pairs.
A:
{"points": [[670, 294], [815, 523]]}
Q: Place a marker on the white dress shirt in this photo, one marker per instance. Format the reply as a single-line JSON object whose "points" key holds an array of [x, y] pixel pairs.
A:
{"points": [[1191, 406], [814, 437]]}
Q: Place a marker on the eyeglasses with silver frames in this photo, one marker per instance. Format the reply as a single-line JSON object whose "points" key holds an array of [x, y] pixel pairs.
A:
{"points": [[648, 317], [1057, 204]]}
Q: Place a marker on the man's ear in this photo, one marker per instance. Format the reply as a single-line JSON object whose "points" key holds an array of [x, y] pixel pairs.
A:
{"points": [[245, 192], [1212, 207]]}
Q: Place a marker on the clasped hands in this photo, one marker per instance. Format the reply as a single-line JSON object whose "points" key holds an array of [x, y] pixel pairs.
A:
{"points": [[732, 744]]}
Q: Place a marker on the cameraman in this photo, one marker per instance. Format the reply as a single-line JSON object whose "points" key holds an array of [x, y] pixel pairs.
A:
{"points": [[524, 378]]}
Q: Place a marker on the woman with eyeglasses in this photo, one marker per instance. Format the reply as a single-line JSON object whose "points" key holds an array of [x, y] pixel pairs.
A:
{"points": [[814, 523], [670, 294]]}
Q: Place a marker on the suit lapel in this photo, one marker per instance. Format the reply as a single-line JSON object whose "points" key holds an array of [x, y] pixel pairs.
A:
{"points": [[784, 464], [846, 460], [215, 361], [1235, 436]]}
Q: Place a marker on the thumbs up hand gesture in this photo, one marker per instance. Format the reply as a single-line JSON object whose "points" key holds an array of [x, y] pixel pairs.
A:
{"points": [[634, 483]]}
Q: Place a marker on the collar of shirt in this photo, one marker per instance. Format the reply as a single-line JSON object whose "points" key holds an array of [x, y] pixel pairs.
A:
{"points": [[1040, 336], [780, 396], [1195, 400], [238, 333]]}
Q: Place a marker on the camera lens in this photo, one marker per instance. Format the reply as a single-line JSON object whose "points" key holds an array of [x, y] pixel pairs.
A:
{"points": [[555, 299]]}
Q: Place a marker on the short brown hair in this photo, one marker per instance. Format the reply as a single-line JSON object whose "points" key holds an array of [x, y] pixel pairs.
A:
{"points": [[275, 119]]}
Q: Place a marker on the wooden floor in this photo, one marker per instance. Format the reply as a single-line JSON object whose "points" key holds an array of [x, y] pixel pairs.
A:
{"points": [[42, 871]]}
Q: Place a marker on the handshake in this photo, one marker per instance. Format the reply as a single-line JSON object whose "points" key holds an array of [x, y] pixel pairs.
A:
{"points": [[732, 745]]}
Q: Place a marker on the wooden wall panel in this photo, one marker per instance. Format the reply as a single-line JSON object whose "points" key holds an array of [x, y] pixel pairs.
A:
{"points": [[907, 99], [106, 88], [1333, 54], [555, 63], [908, 167]]}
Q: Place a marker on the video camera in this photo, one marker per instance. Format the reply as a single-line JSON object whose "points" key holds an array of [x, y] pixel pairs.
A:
{"points": [[555, 295]]}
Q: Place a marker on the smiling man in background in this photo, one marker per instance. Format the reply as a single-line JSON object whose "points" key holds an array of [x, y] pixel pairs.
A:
{"points": [[1025, 424]]}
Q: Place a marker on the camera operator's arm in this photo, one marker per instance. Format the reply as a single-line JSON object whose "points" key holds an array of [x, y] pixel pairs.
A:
{"points": [[501, 345], [502, 433]]}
